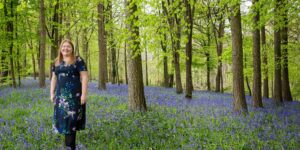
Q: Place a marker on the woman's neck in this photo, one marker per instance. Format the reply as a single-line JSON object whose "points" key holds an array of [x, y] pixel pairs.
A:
{"points": [[67, 59]]}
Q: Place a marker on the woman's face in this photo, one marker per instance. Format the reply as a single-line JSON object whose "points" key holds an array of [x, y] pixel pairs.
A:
{"points": [[66, 49]]}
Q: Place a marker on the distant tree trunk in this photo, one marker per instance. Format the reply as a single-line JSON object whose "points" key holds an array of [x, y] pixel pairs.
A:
{"points": [[18, 54], [277, 55], [188, 48], [136, 96], [146, 65], [286, 90], [239, 104], [10, 37], [85, 46], [220, 35], [265, 62], [102, 49], [112, 46], [163, 44], [176, 56], [77, 44], [171, 80], [208, 70], [165, 60], [42, 45], [256, 98], [246, 77], [54, 36], [125, 62], [117, 66], [174, 22], [4, 53]]}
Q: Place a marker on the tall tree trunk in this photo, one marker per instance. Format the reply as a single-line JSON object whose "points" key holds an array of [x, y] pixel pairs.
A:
{"points": [[4, 53], [54, 37], [42, 45], [176, 56], [246, 77], [102, 49], [239, 104], [220, 35], [125, 62], [256, 98], [112, 46], [165, 60], [208, 70], [189, 48], [18, 53], [277, 55], [136, 96], [286, 90], [265, 63], [146, 65]]}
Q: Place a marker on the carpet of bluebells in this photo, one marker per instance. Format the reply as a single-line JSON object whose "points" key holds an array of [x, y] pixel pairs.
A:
{"points": [[171, 122]]}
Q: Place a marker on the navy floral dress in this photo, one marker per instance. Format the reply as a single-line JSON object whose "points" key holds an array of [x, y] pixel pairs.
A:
{"points": [[69, 114]]}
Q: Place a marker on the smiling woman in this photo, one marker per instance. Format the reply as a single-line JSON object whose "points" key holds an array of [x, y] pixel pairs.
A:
{"points": [[68, 93]]}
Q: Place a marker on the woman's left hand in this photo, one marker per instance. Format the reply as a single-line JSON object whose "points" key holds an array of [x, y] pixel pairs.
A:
{"points": [[83, 99]]}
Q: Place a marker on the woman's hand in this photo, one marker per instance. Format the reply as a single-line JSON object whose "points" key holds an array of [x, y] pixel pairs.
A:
{"points": [[52, 96], [83, 99]]}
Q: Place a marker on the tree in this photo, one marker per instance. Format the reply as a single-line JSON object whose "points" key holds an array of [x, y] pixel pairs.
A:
{"points": [[277, 55], [256, 98], [102, 48], [265, 63], [42, 45], [188, 48], [136, 95], [239, 104], [286, 90]]}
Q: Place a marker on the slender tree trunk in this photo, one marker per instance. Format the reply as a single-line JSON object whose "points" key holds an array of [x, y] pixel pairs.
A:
{"points": [[125, 62], [136, 96], [246, 77], [42, 45], [286, 90], [54, 36], [256, 98], [165, 60], [239, 104], [179, 89], [146, 65], [18, 53], [102, 49], [265, 64], [189, 48], [219, 84], [10, 30], [277, 56], [208, 71]]}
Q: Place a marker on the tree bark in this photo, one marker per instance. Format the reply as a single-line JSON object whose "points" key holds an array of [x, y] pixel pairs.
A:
{"points": [[146, 65], [219, 84], [286, 90], [165, 60], [102, 49], [277, 56], [136, 96], [256, 98], [265, 63], [189, 48], [239, 104], [42, 45], [125, 62]]}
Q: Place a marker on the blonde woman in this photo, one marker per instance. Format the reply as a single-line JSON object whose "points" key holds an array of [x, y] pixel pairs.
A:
{"points": [[68, 93]]}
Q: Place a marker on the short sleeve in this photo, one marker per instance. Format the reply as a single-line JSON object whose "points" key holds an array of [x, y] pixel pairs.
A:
{"points": [[81, 66], [53, 68]]}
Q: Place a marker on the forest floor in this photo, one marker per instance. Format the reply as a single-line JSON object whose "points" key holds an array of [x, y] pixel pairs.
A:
{"points": [[171, 122]]}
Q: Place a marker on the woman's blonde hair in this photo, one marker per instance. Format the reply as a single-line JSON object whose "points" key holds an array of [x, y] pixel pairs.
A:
{"points": [[59, 57]]}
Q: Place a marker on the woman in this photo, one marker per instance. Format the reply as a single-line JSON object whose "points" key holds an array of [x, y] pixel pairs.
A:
{"points": [[68, 93]]}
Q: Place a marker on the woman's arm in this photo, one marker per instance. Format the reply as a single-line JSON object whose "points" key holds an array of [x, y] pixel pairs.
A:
{"points": [[52, 88], [84, 85]]}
